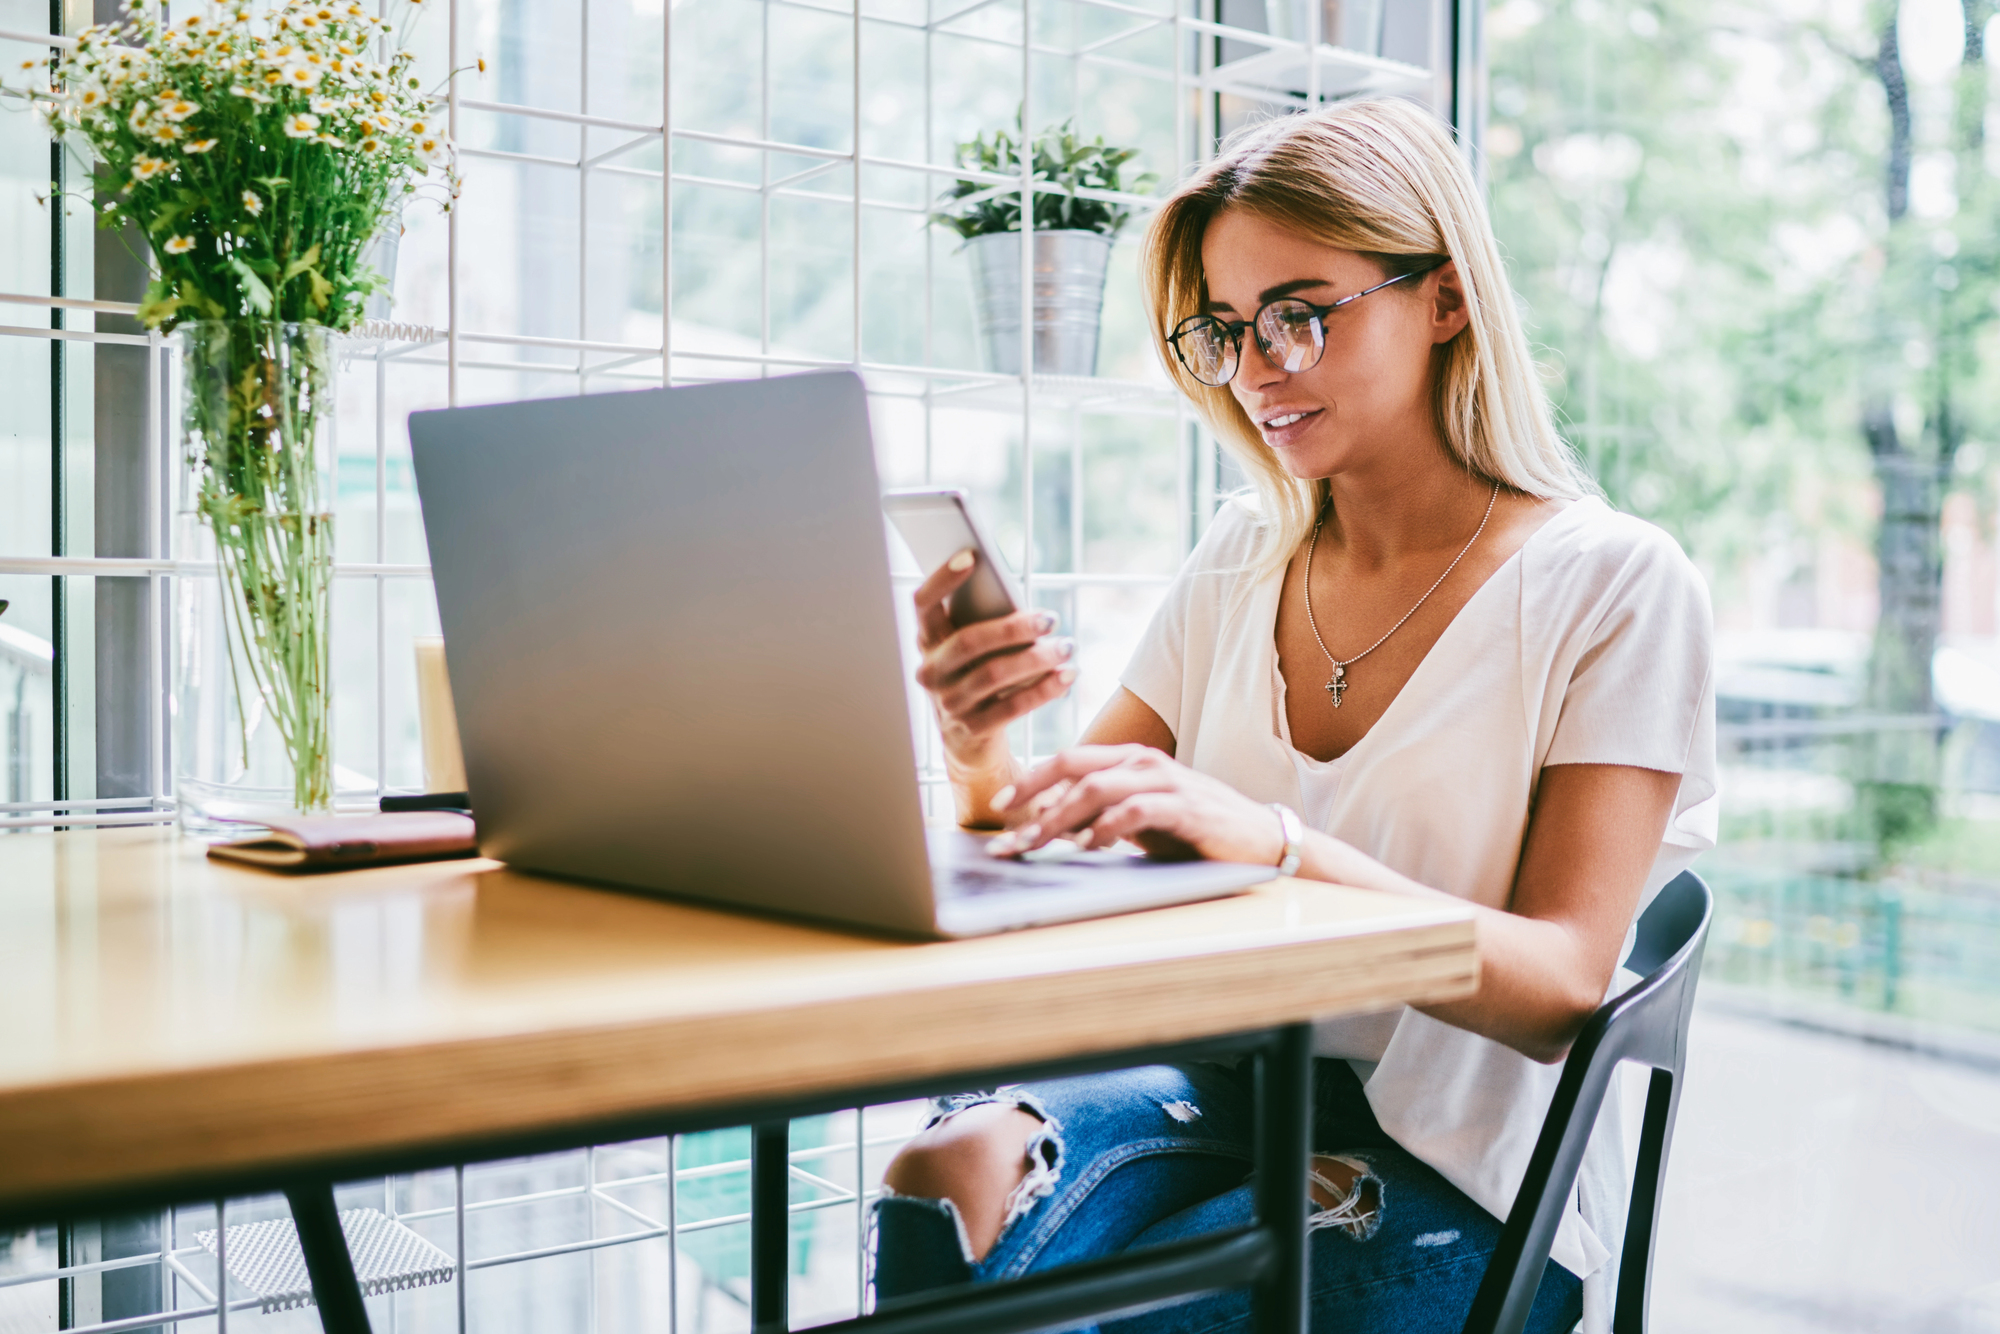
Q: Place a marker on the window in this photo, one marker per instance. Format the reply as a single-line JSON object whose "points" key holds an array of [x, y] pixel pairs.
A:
{"points": [[1757, 242], [1760, 255]]}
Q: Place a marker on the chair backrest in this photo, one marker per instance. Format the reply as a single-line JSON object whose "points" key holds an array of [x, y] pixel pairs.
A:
{"points": [[1647, 1023]]}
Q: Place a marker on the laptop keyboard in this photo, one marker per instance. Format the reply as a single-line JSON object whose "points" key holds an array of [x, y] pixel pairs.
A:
{"points": [[971, 880]]}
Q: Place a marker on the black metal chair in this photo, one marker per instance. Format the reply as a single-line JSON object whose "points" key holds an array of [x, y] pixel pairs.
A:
{"points": [[1649, 1024]]}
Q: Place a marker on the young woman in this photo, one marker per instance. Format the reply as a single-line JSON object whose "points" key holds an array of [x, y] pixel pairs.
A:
{"points": [[1424, 658]]}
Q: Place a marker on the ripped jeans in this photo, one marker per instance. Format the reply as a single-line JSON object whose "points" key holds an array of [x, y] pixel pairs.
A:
{"points": [[1161, 1154]]}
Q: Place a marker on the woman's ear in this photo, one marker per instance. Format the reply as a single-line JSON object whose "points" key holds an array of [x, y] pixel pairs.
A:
{"points": [[1449, 312]]}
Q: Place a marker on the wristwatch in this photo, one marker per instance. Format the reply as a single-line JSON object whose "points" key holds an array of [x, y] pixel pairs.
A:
{"points": [[1295, 838]]}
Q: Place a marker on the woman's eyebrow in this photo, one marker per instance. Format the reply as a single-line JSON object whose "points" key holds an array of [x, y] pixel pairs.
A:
{"points": [[1296, 285], [1272, 293]]}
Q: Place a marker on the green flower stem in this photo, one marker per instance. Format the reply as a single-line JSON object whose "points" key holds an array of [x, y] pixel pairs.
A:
{"points": [[255, 394]]}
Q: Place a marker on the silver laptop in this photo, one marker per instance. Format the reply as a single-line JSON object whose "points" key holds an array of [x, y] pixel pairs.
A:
{"points": [[673, 649]]}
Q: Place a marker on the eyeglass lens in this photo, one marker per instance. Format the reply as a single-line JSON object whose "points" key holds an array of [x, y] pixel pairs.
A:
{"points": [[1207, 349], [1289, 333]]}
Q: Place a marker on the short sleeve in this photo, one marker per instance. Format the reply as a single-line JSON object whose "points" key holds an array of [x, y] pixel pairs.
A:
{"points": [[1158, 667], [1181, 639], [1642, 685]]}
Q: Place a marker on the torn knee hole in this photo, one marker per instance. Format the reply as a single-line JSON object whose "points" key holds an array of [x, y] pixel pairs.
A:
{"points": [[945, 1108], [1345, 1195], [1042, 1154]]}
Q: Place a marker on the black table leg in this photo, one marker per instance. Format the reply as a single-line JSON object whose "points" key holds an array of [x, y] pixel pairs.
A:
{"points": [[328, 1264], [770, 1227], [1284, 1155]]}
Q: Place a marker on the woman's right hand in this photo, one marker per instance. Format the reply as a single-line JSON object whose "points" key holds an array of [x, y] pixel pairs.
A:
{"points": [[983, 676]]}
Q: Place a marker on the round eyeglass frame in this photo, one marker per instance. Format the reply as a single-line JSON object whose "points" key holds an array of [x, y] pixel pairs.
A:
{"points": [[1232, 331]]}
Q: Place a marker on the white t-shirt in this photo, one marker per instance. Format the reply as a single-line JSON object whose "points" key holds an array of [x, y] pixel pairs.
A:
{"points": [[1590, 645]]}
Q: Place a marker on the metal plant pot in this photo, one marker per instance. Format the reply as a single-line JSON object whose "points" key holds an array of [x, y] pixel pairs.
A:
{"points": [[1069, 299]]}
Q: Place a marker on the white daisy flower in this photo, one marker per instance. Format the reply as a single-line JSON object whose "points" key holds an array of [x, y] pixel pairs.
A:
{"points": [[145, 167], [324, 106], [253, 204], [179, 245], [301, 126], [301, 76], [371, 145], [200, 146], [165, 132], [178, 109]]}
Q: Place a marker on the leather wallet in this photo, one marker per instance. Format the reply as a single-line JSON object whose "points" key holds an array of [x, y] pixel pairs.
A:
{"points": [[341, 842]]}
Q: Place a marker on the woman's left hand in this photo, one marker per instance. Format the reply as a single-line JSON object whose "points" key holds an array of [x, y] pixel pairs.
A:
{"points": [[1097, 795]]}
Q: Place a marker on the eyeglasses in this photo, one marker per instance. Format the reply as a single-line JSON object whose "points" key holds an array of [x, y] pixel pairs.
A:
{"points": [[1291, 333]]}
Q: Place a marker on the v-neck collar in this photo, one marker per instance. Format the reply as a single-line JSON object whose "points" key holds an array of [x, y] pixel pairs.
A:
{"points": [[1266, 616]]}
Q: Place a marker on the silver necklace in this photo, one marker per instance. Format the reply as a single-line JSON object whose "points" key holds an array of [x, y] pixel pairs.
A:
{"points": [[1336, 685]]}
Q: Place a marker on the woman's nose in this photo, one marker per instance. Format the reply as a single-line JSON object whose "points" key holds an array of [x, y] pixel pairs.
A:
{"points": [[1253, 368]]}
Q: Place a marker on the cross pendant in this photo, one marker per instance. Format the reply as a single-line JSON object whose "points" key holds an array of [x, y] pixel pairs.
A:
{"points": [[1336, 684]]}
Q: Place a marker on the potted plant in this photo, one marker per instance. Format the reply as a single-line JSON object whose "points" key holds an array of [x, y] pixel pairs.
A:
{"points": [[260, 152], [1072, 242]]}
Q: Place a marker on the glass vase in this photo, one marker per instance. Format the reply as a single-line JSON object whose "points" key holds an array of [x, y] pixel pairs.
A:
{"points": [[254, 573]]}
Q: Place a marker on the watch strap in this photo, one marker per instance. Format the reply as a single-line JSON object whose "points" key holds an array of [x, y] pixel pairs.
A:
{"points": [[1295, 838]]}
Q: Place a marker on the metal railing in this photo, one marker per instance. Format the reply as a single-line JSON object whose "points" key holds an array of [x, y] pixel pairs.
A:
{"points": [[1839, 880]]}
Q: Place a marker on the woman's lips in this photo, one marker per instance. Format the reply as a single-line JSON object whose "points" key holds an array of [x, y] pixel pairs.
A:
{"points": [[1297, 423]]}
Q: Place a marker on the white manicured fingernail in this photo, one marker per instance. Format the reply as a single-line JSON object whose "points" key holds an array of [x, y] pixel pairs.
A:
{"points": [[1003, 798], [1066, 675], [962, 562], [1085, 837], [1001, 845]]}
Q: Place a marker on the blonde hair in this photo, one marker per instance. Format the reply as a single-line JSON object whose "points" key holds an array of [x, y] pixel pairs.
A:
{"points": [[1381, 177]]}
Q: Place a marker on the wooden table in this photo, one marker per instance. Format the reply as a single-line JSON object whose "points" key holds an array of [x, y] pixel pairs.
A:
{"points": [[175, 1029]]}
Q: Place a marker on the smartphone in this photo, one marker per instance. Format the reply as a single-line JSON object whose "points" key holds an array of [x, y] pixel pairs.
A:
{"points": [[937, 524]]}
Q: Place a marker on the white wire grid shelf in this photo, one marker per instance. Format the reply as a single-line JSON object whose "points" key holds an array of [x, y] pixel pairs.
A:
{"points": [[640, 1201]]}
